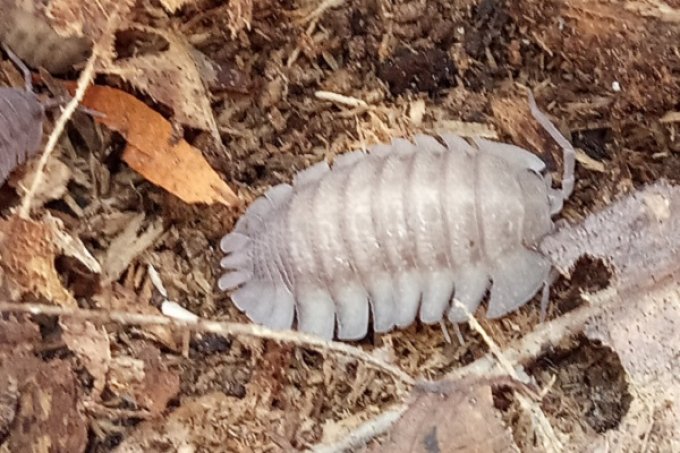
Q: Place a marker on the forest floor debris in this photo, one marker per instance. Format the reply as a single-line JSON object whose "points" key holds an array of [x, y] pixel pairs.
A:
{"points": [[256, 91]]}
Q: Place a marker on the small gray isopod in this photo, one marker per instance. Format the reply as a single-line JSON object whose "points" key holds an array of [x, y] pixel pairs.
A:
{"points": [[21, 123], [397, 233]]}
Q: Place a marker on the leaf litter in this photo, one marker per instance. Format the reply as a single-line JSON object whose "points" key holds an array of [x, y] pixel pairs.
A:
{"points": [[154, 151], [230, 392]]}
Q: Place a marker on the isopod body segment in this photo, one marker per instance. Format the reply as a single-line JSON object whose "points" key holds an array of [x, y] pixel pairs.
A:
{"points": [[394, 234]]}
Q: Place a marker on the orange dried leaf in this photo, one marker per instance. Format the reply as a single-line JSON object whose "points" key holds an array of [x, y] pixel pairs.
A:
{"points": [[154, 151]]}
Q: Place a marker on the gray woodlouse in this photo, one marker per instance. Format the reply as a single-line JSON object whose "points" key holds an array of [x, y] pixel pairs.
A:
{"points": [[21, 124], [399, 232]]}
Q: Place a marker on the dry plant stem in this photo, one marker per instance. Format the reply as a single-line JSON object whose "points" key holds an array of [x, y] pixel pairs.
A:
{"points": [[323, 6], [534, 343], [223, 328], [340, 99], [363, 433], [545, 431], [83, 82]]}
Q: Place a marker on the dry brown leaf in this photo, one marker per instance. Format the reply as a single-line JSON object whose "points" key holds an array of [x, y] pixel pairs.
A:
{"points": [[155, 152], [48, 418], [644, 332], [127, 246], [146, 378], [28, 251], [91, 345], [459, 417], [171, 77]]}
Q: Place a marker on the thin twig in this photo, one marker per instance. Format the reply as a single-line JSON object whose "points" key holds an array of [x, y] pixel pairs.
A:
{"points": [[223, 328], [340, 99], [530, 346], [83, 82], [364, 433], [543, 427]]}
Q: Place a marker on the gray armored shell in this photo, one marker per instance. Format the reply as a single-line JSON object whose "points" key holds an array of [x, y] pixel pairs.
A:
{"points": [[392, 235], [21, 125]]}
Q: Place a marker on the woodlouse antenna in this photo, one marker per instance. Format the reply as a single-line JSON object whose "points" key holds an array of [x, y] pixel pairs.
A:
{"points": [[22, 67], [568, 153]]}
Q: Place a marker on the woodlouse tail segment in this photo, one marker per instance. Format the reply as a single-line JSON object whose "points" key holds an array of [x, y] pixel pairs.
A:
{"points": [[264, 299], [569, 155]]}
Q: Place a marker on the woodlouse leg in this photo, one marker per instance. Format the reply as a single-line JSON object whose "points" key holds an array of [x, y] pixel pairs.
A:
{"points": [[22, 67], [568, 153], [445, 331], [459, 334], [545, 294]]}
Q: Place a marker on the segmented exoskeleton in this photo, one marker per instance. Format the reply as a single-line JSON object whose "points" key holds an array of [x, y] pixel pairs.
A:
{"points": [[21, 123], [397, 232]]}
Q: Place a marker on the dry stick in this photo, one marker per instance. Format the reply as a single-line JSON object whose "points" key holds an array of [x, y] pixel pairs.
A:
{"points": [[534, 343], [496, 363], [83, 81], [223, 328], [544, 430], [363, 433], [528, 347]]}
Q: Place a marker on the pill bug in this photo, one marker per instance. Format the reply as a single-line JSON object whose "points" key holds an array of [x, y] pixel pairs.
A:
{"points": [[21, 124], [395, 234]]}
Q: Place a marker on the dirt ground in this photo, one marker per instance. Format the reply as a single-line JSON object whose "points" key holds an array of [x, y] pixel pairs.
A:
{"points": [[608, 74]]}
